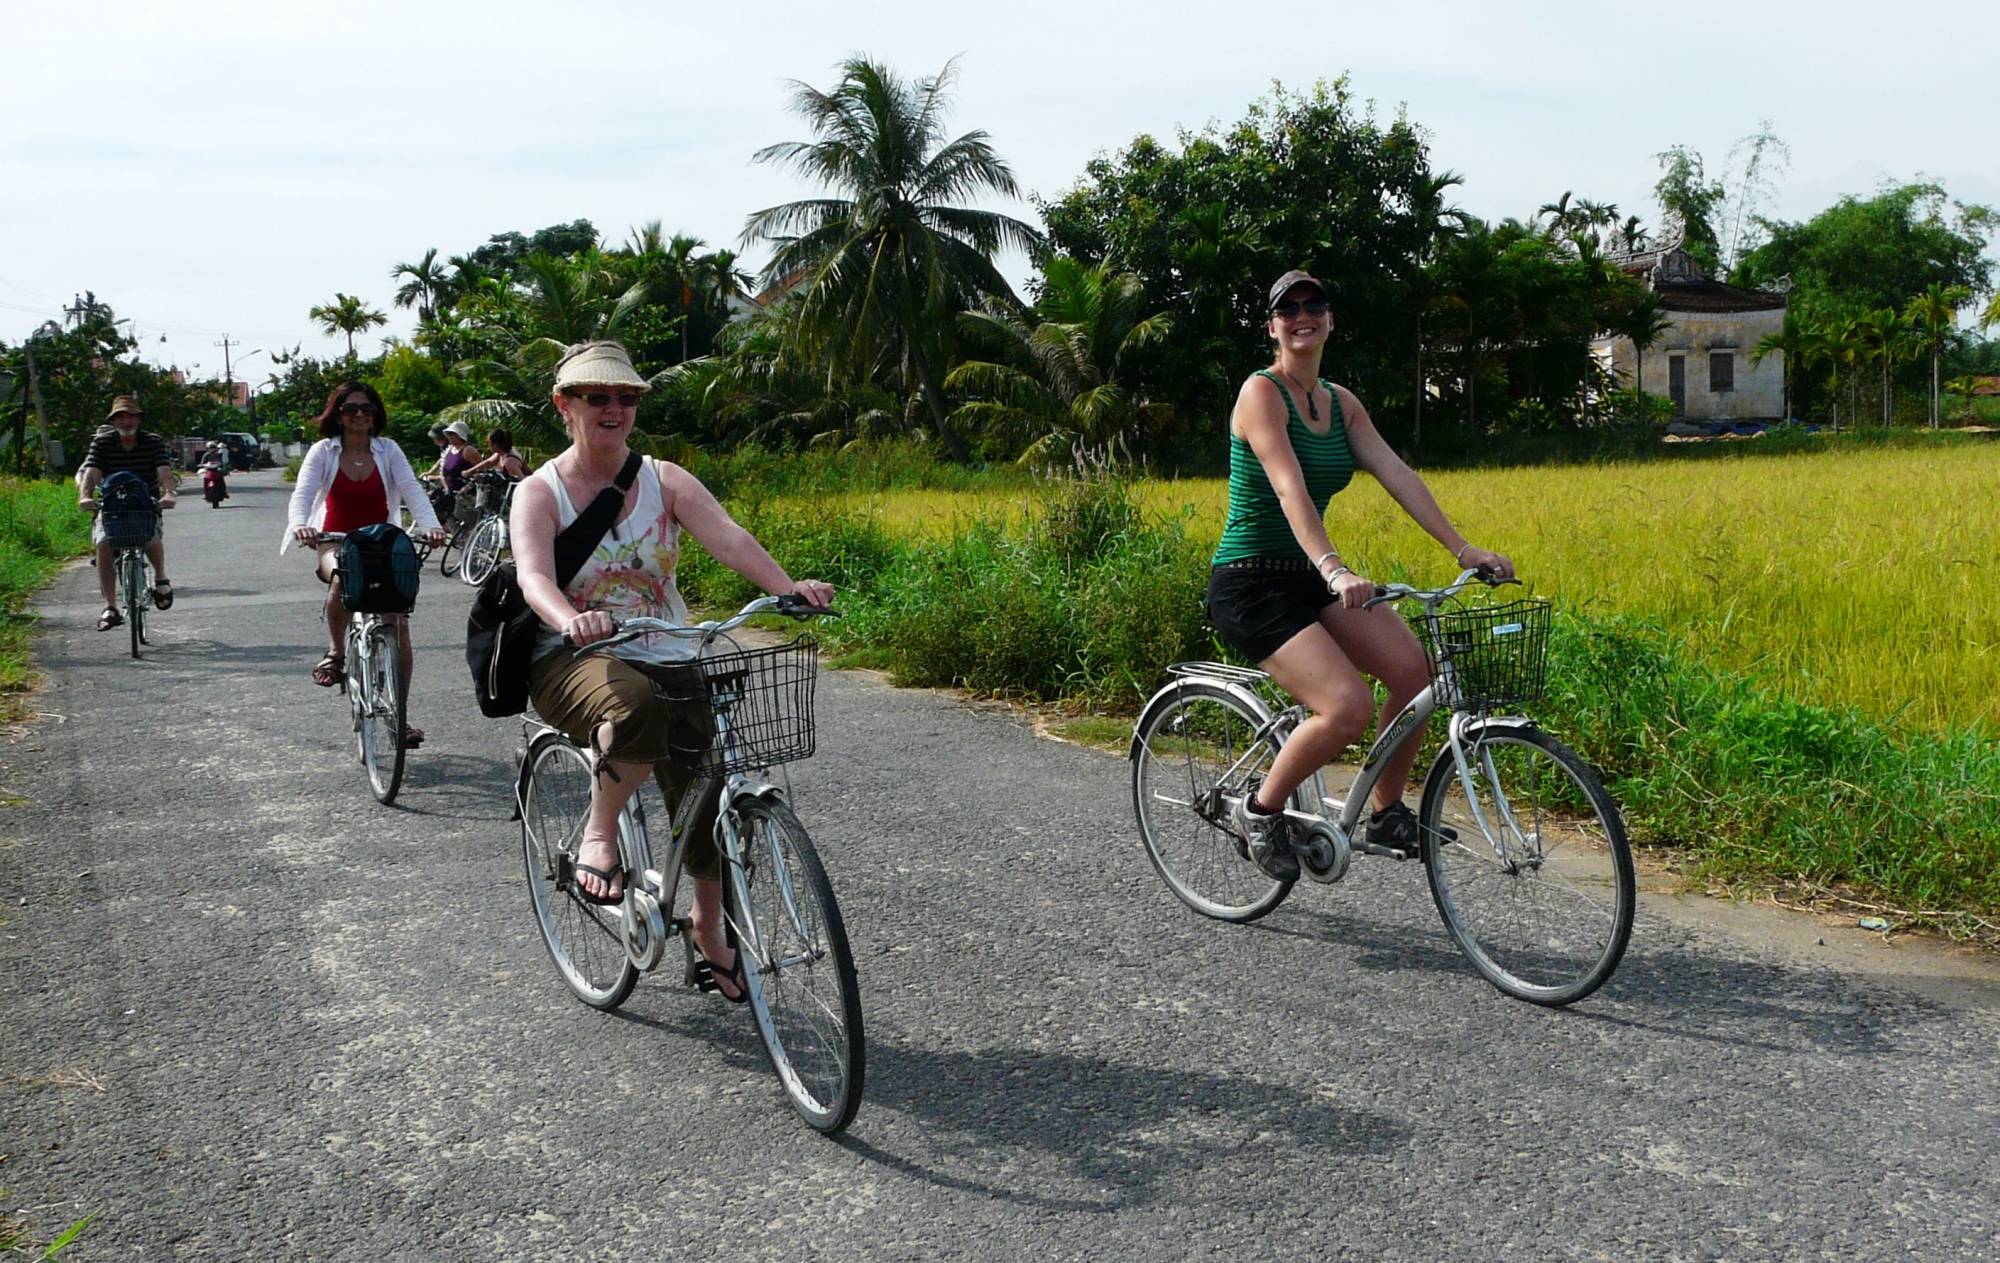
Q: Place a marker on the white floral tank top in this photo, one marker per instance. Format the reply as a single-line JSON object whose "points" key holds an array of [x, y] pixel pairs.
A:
{"points": [[632, 572]]}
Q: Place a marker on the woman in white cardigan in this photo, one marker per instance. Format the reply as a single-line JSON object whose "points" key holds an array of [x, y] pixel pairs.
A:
{"points": [[353, 477]]}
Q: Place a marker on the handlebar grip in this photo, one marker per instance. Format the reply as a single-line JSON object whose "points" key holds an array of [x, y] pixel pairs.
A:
{"points": [[616, 627], [796, 606]]}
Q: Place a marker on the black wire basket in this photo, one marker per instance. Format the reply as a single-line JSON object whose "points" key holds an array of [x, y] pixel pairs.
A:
{"points": [[129, 528], [766, 698], [1484, 657]]}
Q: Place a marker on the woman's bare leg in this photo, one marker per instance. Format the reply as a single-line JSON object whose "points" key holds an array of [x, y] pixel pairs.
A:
{"points": [[613, 787], [1312, 668], [1381, 644]]}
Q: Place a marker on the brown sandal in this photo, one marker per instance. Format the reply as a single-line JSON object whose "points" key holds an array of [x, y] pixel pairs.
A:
{"points": [[327, 671]]}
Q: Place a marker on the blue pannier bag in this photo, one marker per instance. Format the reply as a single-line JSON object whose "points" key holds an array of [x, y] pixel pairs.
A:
{"points": [[378, 570], [125, 508]]}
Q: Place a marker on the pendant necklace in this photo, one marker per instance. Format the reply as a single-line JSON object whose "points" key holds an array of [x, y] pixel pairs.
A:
{"points": [[1312, 404]]}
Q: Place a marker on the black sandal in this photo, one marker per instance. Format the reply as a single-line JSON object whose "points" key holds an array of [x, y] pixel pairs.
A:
{"points": [[328, 670], [607, 876], [109, 619], [163, 595], [703, 975]]}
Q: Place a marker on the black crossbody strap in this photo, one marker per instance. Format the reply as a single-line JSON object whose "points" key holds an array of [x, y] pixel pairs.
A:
{"points": [[577, 541]]}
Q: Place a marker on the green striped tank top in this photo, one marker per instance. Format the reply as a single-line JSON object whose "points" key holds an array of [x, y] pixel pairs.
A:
{"points": [[1256, 526]]}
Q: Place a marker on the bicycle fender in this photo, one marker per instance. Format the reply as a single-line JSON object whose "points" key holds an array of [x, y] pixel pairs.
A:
{"points": [[1168, 695]]}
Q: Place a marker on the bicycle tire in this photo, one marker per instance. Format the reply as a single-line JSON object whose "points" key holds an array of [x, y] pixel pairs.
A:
{"points": [[1190, 733], [803, 989], [585, 941], [382, 716], [453, 551], [132, 564], [482, 552], [1566, 854]]}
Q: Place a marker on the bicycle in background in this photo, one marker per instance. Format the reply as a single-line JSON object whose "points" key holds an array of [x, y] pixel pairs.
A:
{"points": [[1526, 853]]}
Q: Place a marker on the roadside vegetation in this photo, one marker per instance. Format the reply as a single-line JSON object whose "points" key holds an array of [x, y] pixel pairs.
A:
{"points": [[40, 529]]}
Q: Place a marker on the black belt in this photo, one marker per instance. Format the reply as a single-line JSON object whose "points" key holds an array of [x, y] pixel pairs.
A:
{"points": [[1269, 565]]}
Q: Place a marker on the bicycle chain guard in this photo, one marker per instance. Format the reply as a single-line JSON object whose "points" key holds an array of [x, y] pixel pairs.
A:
{"points": [[1323, 852], [646, 932]]}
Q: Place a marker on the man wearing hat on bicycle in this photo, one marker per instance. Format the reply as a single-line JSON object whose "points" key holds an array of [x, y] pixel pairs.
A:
{"points": [[125, 448]]}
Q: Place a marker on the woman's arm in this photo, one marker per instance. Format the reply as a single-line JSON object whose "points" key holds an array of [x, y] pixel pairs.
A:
{"points": [[697, 509], [1406, 488], [306, 490], [411, 492], [486, 464], [532, 528]]}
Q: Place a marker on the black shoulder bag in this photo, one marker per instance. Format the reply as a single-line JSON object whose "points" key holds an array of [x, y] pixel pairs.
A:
{"points": [[500, 631]]}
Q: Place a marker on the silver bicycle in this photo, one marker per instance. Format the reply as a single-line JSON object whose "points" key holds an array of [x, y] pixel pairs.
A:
{"points": [[486, 543], [1525, 851], [779, 908], [377, 693]]}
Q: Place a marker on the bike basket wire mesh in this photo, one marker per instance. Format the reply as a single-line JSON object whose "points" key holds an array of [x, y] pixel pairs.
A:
{"points": [[1498, 655], [766, 698], [129, 527]]}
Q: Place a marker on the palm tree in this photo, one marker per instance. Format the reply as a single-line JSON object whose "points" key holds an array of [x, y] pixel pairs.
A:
{"points": [[1056, 369], [1431, 221], [1643, 322], [1936, 312], [427, 281], [1632, 237], [1794, 342], [349, 315], [1886, 340], [1991, 316], [884, 266]]}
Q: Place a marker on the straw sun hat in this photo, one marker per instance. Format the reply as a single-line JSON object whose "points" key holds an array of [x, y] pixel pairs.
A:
{"points": [[598, 364]]}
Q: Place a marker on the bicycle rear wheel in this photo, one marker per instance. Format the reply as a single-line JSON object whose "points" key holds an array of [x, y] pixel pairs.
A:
{"points": [[585, 941], [803, 989], [482, 552], [1537, 888], [1192, 751], [382, 715]]}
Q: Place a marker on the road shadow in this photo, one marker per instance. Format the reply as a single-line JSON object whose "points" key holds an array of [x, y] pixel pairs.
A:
{"points": [[1130, 1135], [1666, 985]]}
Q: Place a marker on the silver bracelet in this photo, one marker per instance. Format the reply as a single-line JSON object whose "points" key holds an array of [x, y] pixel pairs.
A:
{"points": [[1457, 558], [1337, 572], [1321, 559]]}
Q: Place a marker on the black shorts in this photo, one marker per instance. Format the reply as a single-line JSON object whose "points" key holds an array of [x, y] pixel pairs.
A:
{"points": [[1257, 605]]}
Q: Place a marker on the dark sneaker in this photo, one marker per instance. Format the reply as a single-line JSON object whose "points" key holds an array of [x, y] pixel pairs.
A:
{"points": [[1396, 828], [1269, 838]]}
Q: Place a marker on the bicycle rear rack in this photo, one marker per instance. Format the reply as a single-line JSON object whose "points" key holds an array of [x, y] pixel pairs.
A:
{"points": [[1217, 670]]}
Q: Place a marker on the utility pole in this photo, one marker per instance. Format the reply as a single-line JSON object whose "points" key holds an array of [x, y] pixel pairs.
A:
{"points": [[228, 382]]}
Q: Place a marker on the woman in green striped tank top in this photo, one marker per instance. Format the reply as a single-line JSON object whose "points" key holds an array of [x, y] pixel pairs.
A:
{"points": [[1279, 592]]}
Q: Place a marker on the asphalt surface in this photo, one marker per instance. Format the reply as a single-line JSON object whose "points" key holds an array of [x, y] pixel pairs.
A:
{"points": [[246, 1012]]}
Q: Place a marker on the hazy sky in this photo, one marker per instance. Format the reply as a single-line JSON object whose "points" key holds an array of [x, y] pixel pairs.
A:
{"points": [[223, 166]]}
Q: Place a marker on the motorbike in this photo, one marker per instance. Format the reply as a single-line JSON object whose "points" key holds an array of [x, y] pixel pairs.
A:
{"points": [[214, 485]]}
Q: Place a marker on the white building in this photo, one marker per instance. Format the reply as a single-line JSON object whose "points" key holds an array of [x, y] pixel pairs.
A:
{"points": [[1702, 362]]}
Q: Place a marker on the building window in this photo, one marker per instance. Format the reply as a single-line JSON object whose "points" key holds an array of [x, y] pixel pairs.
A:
{"points": [[1721, 372]]}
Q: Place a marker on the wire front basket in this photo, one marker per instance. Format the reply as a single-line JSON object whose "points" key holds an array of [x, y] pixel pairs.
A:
{"points": [[129, 528], [766, 698], [1484, 657]]}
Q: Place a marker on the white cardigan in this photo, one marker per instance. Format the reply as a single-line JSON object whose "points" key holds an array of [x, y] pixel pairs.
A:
{"points": [[322, 463]]}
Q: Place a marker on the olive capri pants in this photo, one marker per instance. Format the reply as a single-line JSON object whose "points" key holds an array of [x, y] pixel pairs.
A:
{"points": [[576, 695]]}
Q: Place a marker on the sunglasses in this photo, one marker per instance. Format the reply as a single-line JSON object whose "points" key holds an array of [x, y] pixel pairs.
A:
{"points": [[1311, 306], [357, 409], [600, 399]]}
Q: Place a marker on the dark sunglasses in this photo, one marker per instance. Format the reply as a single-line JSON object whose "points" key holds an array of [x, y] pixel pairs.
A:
{"points": [[1311, 306], [358, 409], [599, 399]]}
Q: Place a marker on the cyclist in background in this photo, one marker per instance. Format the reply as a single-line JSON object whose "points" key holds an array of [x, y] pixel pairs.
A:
{"points": [[1279, 592], [124, 448]]}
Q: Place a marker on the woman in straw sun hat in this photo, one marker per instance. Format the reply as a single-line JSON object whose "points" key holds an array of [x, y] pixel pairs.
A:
{"points": [[607, 701]]}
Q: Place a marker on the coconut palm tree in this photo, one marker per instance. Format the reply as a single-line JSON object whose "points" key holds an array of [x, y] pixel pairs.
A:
{"points": [[1643, 322], [349, 315], [1055, 372], [1991, 316], [426, 282], [885, 262], [1794, 341], [1886, 340], [1935, 311]]}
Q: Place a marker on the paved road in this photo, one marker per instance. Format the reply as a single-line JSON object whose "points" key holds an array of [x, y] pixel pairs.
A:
{"points": [[323, 1029]]}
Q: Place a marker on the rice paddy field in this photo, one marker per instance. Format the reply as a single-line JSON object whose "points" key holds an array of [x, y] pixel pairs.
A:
{"points": [[1858, 577]]}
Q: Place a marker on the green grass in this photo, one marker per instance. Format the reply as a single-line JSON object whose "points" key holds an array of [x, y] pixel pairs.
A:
{"points": [[1746, 762], [40, 528]]}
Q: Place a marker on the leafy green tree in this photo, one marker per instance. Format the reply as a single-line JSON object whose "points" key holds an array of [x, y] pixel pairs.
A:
{"points": [[882, 269], [1887, 341], [1643, 321], [1689, 201], [1795, 342], [1935, 311], [1861, 254], [349, 315], [423, 283], [1055, 376]]}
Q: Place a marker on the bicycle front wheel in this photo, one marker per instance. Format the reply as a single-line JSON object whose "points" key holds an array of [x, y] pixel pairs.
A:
{"points": [[585, 940], [1536, 887], [482, 552], [803, 989], [382, 715], [1194, 749], [133, 564], [453, 552]]}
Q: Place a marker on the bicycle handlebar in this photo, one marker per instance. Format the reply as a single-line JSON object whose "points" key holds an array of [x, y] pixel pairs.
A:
{"points": [[623, 631], [334, 537], [1388, 592]]}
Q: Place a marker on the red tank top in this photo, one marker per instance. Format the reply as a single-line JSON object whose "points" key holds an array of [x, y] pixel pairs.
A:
{"points": [[354, 503]]}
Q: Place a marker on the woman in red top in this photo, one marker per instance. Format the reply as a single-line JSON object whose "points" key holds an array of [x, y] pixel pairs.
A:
{"points": [[350, 479]]}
